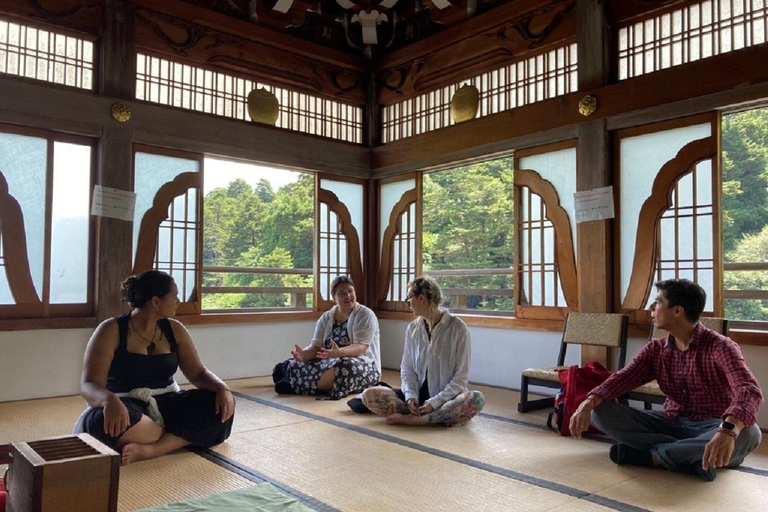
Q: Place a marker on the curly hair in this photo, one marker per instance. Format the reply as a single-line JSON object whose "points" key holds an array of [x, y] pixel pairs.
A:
{"points": [[138, 290], [429, 288]]}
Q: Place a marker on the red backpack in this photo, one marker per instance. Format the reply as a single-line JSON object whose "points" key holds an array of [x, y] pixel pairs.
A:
{"points": [[575, 383]]}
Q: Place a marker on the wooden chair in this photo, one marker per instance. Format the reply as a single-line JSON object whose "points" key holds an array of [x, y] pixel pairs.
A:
{"points": [[597, 329], [650, 393]]}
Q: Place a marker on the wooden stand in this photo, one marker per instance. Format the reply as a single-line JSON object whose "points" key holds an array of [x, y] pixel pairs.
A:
{"points": [[73, 473]]}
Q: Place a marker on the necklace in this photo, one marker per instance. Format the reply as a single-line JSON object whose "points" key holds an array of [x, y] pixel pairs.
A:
{"points": [[151, 347]]}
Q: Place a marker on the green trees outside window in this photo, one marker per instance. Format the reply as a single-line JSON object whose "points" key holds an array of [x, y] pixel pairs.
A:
{"points": [[745, 214], [468, 234], [259, 230]]}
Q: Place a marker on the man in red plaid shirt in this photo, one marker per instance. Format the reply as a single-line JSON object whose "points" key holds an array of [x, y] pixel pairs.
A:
{"points": [[712, 401]]}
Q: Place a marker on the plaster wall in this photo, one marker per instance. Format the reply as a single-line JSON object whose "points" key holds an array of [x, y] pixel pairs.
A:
{"points": [[38, 364]]}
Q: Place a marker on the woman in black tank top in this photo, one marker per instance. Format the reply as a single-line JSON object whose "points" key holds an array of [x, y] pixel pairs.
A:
{"points": [[135, 405]]}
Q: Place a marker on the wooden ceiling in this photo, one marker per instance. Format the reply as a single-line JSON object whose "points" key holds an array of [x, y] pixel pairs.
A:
{"points": [[369, 28]]}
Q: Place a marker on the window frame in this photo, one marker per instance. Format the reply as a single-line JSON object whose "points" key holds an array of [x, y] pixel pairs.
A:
{"points": [[385, 256], [185, 307], [15, 315], [642, 316]]}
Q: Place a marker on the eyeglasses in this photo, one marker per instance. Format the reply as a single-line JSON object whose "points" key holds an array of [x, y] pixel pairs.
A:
{"points": [[409, 297]]}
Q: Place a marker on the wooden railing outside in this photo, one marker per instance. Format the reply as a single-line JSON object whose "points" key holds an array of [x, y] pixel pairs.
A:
{"points": [[457, 297], [298, 295]]}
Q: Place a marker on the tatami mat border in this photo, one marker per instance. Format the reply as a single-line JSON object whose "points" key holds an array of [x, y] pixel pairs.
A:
{"points": [[259, 478], [752, 471], [539, 482], [586, 435]]}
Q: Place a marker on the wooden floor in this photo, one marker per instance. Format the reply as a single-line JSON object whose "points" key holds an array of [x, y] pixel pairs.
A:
{"points": [[334, 460]]}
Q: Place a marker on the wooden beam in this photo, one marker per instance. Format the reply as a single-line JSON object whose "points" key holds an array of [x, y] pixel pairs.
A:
{"points": [[230, 25], [79, 15], [199, 36], [118, 51]]}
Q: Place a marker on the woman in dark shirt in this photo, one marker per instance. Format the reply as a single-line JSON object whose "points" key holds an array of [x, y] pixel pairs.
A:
{"points": [[135, 405]]}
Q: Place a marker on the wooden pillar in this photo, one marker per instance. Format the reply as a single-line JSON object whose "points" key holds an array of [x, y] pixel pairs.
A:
{"points": [[594, 249], [118, 80], [371, 249]]}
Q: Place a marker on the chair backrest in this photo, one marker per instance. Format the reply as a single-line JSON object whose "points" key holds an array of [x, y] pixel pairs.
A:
{"points": [[710, 322], [600, 329]]}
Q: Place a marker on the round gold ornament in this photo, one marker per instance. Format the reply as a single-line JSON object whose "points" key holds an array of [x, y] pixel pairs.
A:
{"points": [[263, 106], [121, 112], [587, 105], [464, 103]]}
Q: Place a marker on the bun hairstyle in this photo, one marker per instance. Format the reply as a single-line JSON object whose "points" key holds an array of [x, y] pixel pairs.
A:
{"points": [[138, 290], [340, 280], [429, 288]]}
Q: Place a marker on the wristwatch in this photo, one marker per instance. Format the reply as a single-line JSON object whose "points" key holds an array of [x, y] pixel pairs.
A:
{"points": [[730, 427]]}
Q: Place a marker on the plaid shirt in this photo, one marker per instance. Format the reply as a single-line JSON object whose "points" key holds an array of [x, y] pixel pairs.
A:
{"points": [[709, 380]]}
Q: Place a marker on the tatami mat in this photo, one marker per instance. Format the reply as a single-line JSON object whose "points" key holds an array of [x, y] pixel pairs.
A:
{"points": [[582, 465], [732, 490], [37, 419], [502, 460], [176, 477], [353, 472]]}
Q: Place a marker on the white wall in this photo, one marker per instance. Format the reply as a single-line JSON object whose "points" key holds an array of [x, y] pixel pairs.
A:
{"points": [[36, 364]]}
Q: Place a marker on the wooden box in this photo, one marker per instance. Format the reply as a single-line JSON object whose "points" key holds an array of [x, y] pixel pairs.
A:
{"points": [[73, 473]]}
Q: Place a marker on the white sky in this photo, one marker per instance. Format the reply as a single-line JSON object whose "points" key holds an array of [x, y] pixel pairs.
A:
{"points": [[219, 173]]}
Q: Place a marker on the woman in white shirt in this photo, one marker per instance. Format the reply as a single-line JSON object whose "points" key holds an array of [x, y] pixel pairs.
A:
{"points": [[343, 356], [434, 372]]}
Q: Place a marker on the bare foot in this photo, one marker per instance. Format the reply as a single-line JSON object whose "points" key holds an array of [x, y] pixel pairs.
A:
{"points": [[134, 452], [406, 419]]}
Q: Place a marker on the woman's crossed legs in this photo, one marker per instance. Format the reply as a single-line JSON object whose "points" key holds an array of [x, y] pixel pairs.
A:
{"points": [[384, 401]]}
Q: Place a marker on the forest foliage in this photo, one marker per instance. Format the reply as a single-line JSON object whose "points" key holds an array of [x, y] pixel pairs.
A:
{"points": [[745, 208]]}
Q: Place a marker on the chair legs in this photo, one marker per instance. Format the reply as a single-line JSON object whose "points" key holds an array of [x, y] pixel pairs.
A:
{"points": [[526, 405]]}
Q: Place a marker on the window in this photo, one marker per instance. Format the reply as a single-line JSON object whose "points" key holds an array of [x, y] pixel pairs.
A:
{"points": [[399, 238], [166, 227], [468, 235], [545, 181], [691, 33], [668, 178], [538, 78], [184, 86], [30, 52], [258, 233], [745, 218], [341, 231], [45, 224]]}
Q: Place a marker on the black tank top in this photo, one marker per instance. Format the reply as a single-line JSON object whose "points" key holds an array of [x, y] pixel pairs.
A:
{"points": [[129, 371]]}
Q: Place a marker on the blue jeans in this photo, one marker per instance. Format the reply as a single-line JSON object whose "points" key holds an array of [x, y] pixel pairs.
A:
{"points": [[673, 442]]}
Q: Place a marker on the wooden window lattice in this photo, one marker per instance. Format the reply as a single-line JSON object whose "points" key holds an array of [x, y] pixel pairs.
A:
{"points": [[677, 265], [538, 78], [404, 256], [189, 87], [540, 281], [691, 33], [177, 231], [333, 250], [30, 52]]}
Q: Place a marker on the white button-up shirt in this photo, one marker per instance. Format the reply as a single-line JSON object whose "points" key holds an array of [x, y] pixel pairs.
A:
{"points": [[446, 356]]}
